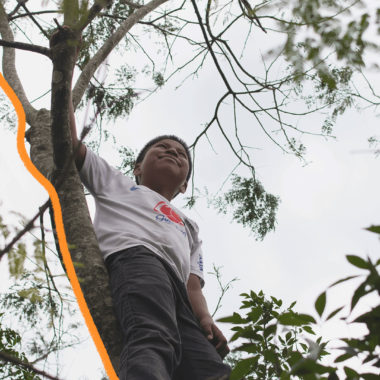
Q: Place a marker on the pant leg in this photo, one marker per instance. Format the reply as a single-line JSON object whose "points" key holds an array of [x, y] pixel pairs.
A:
{"points": [[144, 302], [200, 360]]}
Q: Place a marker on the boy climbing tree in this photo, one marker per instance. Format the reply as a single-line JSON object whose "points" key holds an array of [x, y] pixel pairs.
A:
{"points": [[154, 259]]}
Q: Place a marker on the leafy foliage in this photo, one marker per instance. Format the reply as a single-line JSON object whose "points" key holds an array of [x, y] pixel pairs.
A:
{"points": [[36, 298], [273, 355], [8, 117], [253, 206], [128, 157], [10, 345], [325, 31], [273, 338]]}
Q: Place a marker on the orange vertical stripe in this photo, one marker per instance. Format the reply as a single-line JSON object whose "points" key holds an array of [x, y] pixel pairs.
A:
{"points": [[59, 227]]}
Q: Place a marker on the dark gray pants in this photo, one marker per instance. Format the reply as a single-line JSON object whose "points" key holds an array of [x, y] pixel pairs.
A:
{"points": [[162, 338]]}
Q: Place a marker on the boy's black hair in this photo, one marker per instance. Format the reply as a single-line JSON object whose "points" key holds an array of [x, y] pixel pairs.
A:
{"points": [[150, 143]]}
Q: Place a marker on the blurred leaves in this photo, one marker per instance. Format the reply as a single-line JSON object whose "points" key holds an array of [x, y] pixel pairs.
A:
{"points": [[10, 344], [273, 343]]}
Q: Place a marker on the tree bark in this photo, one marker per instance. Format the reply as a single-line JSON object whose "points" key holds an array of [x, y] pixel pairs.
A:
{"points": [[9, 67], [51, 152], [49, 137], [85, 253]]}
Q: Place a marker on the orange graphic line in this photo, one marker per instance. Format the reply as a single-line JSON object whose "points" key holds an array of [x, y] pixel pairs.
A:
{"points": [[59, 227]]}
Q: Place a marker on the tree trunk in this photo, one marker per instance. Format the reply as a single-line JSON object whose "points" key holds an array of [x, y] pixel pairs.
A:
{"points": [[49, 137], [80, 236]]}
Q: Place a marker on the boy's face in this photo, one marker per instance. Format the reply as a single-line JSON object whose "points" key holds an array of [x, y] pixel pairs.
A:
{"points": [[165, 163]]}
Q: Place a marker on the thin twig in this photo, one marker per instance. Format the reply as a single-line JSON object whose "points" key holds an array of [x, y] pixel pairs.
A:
{"points": [[11, 359], [34, 20], [209, 46], [15, 10], [223, 288], [11, 17]]}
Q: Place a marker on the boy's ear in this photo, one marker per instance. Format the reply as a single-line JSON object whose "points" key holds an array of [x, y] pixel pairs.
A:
{"points": [[183, 187], [137, 170]]}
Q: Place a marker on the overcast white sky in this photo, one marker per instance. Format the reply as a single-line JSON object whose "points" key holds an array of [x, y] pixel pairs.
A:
{"points": [[324, 205]]}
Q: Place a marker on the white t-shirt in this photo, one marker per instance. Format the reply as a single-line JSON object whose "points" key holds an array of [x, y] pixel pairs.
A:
{"points": [[128, 215]]}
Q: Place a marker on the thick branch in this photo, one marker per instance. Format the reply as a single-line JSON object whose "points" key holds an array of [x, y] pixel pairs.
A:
{"points": [[9, 67], [109, 45], [24, 46], [92, 13]]}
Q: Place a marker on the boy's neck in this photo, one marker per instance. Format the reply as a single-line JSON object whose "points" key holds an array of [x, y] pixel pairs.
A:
{"points": [[163, 191]]}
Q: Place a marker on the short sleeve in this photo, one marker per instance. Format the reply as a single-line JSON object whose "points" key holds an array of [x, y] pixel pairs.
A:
{"points": [[196, 254], [96, 174]]}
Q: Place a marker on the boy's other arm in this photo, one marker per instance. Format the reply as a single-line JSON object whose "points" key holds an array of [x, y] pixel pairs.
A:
{"points": [[200, 309], [79, 151], [78, 148]]}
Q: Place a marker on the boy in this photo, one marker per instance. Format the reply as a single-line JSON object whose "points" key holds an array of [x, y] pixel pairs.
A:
{"points": [[153, 256]]}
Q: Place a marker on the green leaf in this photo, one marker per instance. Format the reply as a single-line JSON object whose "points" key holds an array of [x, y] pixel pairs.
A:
{"points": [[344, 357], [32, 294], [270, 356], [305, 347], [285, 376], [307, 318], [242, 368], [295, 319], [270, 330], [351, 373], [333, 376], [308, 366], [333, 313], [254, 315], [235, 318], [16, 259], [251, 348], [375, 229], [39, 253], [320, 304], [342, 280], [308, 329], [358, 262], [3, 228], [276, 301], [359, 293], [369, 376]]}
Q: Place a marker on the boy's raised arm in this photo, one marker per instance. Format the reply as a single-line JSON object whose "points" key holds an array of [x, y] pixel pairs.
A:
{"points": [[79, 149]]}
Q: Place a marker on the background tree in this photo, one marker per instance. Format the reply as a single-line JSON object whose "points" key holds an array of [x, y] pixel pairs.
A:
{"points": [[325, 57]]}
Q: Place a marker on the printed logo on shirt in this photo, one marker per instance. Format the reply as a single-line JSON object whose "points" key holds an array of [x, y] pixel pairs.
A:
{"points": [[200, 263], [163, 208], [133, 188]]}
